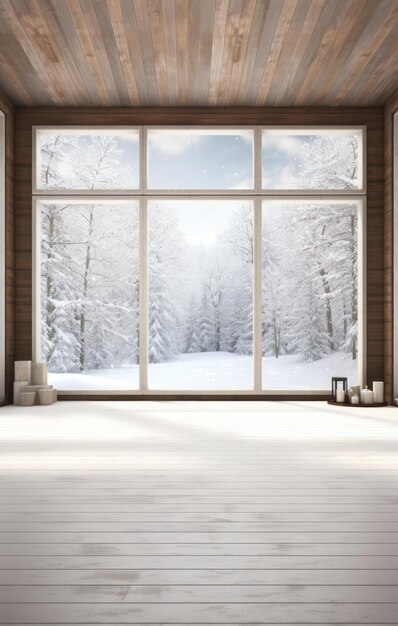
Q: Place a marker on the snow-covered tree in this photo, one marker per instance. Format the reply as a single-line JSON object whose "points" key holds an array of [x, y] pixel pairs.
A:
{"points": [[309, 328], [329, 162], [164, 265], [206, 322]]}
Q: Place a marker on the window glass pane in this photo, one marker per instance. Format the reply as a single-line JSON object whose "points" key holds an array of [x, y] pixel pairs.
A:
{"points": [[309, 294], [88, 160], [200, 159], [89, 295], [311, 159], [200, 268]]}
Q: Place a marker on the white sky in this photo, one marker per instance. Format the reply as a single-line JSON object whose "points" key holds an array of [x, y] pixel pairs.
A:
{"points": [[202, 220]]}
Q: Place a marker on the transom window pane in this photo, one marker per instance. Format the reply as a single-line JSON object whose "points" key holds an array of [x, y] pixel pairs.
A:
{"points": [[200, 159], [309, 293], [200, 266], [89, 295], [311, 159], [88, 160]]}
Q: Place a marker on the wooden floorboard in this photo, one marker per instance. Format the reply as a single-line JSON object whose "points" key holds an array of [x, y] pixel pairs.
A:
{"points": [[198, 513]]}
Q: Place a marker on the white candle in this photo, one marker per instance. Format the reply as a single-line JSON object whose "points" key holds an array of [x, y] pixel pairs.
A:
{"points": [[39, 373], [378, 390], [18, 387], [354, 390], [355, 399], [340, 395], [22, 371], [367, 396]]}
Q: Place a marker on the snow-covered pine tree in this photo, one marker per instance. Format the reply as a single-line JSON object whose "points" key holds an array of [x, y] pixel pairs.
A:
{"points": [[244, 341], [238, 302], [310, 332], [192, 342], [276, 307], [280, 261], [206, 322], [59, 341], [161, 323], [164, 269], [216, 288]]}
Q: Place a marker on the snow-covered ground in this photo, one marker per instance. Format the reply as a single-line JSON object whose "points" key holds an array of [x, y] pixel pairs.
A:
{"points": [[216, 371], [289, 372]]}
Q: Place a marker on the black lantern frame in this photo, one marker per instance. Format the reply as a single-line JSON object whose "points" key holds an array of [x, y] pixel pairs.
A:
{"points": [[336, 380]]}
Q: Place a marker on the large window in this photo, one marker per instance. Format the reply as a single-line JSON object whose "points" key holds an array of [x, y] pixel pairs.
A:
{"points": [[199, 259]]}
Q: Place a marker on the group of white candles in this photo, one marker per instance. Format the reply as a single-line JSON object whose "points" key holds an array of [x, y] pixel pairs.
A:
{"points": [[356, 395]]}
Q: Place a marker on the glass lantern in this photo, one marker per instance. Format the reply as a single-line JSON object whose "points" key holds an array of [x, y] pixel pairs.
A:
{"points": [[339, 382]]}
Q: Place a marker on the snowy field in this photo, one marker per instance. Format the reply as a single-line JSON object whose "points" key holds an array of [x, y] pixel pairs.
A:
{"points": [[216, 370]]}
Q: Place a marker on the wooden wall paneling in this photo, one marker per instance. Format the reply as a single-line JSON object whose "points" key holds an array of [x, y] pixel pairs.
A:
{"points": [[8, 109], [371, 117], [390, 109]]}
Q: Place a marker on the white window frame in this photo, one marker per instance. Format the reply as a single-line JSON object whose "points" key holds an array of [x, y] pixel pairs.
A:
{"points": [[255, 195]]}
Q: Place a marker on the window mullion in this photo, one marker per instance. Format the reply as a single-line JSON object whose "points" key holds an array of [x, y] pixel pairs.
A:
{"points": [[143, 295], [257, 297]]}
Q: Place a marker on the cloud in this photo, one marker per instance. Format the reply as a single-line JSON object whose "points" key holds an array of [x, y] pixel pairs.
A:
{"points": [[288, 144], [172, 144], [245, 183], [284, 178]]}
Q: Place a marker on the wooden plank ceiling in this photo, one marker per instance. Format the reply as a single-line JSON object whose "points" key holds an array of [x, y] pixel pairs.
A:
{"points": [[199, 52]]}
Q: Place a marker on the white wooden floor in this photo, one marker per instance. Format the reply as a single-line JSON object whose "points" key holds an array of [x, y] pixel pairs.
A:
{"points": [[198, 513]]}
